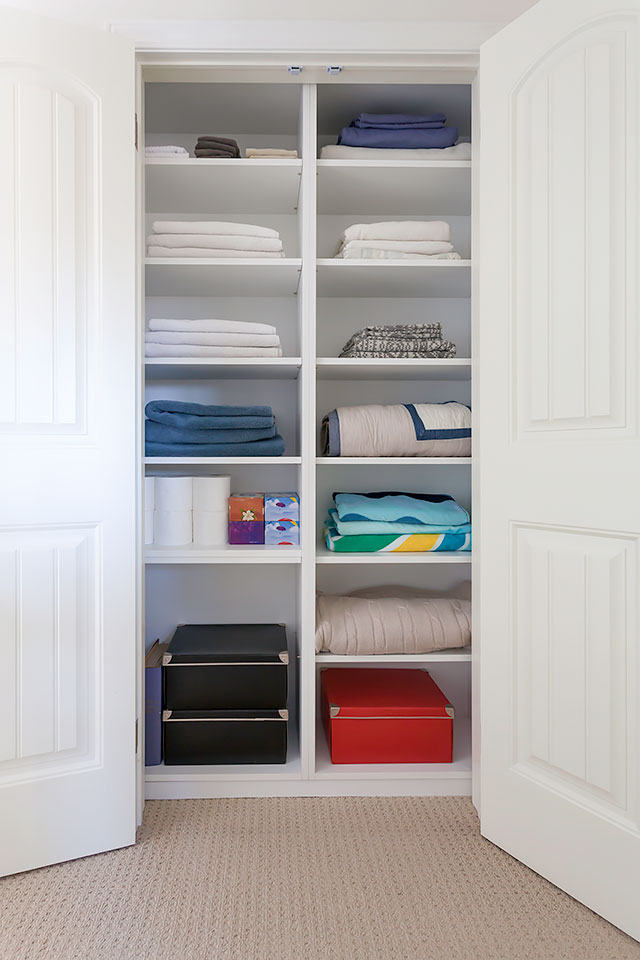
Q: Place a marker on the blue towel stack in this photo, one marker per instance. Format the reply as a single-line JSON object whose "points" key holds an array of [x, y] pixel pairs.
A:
{"points": [[398, 131], [175, 428]]}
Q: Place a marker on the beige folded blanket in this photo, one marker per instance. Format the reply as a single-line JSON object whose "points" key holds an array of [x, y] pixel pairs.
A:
{"points": [[390, 620], [269, 152], [227, 242], [219, 227], [400, 231]]}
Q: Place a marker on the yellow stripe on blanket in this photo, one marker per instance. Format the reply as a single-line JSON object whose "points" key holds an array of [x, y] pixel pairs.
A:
{"points": [[418, 542]]}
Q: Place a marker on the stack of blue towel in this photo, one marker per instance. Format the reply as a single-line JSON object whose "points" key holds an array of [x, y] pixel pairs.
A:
{"points": [[398, 131], [175, 428]]}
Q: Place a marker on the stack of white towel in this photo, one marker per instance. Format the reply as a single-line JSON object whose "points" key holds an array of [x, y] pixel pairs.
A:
{"points": [[398, 240], [213, 239], [165, 150], [211, 338]]}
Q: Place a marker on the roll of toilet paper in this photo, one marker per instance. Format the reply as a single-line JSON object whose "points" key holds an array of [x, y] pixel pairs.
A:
{"points": [[148, 526], [149, 493], [211, 494], [210, 528], [174, 493], [173, 528]]}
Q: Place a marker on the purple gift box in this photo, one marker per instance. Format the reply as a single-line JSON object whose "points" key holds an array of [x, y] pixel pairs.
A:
{"points": [[246, 531]]}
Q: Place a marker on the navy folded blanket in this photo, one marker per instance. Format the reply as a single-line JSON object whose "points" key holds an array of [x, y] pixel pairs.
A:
{"points": [[162, 433], [411, 138], [273, 447], [200, 416]]}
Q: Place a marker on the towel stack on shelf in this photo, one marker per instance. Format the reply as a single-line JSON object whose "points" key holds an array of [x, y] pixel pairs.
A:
{"points": [[397, 240], [176, 428], [213, 239], [400, 131], [169, 150], [211, 338], [261, 153], [396, 523], [408, 340], [461, 151], [212, 146]]}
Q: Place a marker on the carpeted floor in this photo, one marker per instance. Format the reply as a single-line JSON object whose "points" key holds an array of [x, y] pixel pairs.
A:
{"points": [[301, 879]]}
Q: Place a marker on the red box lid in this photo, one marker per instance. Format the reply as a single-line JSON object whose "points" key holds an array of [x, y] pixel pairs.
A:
{"points": [[383, 693]]}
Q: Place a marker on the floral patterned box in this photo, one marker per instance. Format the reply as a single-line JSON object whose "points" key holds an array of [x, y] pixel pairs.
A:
{"points": [[246, 507]]}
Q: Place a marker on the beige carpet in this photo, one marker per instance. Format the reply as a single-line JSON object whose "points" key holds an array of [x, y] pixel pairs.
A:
{"points": [[301, 879]]}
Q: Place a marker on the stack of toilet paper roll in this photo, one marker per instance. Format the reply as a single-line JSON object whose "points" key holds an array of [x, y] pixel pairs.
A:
{"points": [[183, 510], [211, 510]]}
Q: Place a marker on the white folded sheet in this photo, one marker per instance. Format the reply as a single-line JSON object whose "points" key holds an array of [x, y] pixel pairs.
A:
{"points": [[264, 152], [209, 326], [460, 151], [215, 339], [213, 227], [400, 230], [153, 251], [167, 150], [376, 254], [422, 247], [192, 350], [226, 242]]}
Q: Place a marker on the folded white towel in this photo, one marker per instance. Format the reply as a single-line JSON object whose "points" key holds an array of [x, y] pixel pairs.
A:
{"points": [[166, 150], [210, 326], [214, 227], [215, 339], [193, 350], [269, 152], [423, 247], [206, 240], [434, 230], [369, 253], [460, 151], [207, 253]]}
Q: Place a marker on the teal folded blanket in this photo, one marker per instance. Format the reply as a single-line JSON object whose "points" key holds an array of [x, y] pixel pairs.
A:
{"points": [[200, 416], [162, 433], [273, 447], [371, 527]]}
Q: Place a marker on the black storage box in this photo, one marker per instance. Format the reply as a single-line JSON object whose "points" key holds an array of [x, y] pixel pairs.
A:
{"points": [[226, 666], [224, 736]]}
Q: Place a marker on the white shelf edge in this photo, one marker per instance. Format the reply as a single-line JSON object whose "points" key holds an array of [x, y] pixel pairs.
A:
{"points": [[393, 461], [220, 461], [389, 264], [231, 553], [438, 656], [382, 362], [327, 556], [272, 263], [396, 164], [223, 361], [249, 162]]}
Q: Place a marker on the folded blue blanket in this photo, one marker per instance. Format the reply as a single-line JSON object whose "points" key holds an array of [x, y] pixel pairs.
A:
{"points": [[274, 447], [162, 433], [410, 139], [435, 510], [199, 416], [350, 528], [399, 121]]}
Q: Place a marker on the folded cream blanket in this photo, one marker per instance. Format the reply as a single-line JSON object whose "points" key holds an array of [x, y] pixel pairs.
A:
{"points": [[421, 247], [400, 231], [218, 242], [213, 227], [460, 151], [194, 252], [199, 350], [210, 326], [390, 620], [360, 253], [215, 339], [269, 152]]}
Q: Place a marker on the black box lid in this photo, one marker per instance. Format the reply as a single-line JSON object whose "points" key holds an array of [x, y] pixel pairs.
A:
{"points": [[212, 715], [228, 643]]}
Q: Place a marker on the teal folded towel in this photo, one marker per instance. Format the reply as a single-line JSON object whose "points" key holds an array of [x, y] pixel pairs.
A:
{"points": [[200, 416], [434, 509], [350, 528], [274, 447], [162, 433]]}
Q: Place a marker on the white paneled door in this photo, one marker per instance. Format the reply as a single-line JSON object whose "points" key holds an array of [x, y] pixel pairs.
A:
{"points": [[67, 430], [559, 449]]}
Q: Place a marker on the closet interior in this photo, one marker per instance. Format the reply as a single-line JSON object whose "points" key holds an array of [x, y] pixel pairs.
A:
{"points": [[316, 302]]}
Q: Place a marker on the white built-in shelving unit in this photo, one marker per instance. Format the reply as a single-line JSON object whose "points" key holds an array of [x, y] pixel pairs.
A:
{"points": [[317, 302]]}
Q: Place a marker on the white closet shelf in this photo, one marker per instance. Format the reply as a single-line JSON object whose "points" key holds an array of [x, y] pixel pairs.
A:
{"points": [[328, 556], [341, 368], [459, 769], [223, 368], [227, 553], [393, 278], [204, 277], [210, 185], [219, 461], [394, 187], [459, 655], [394, 461]]}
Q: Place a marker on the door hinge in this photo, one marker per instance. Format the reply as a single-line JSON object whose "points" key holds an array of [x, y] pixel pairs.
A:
{"points": [[137, 725], [135, 137]]}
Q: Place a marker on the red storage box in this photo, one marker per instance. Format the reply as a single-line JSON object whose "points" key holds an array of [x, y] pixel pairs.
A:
{"points": [[386, 716]]}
